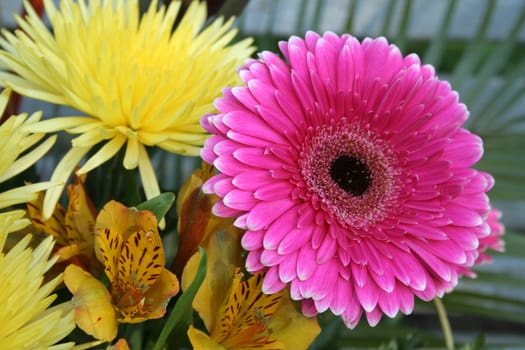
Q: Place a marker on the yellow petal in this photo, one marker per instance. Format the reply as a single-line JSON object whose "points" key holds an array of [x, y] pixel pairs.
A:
{"points": [[180, 148], [291, 327], [14, 220], [23, 194], [201, 341], [58, 124], [61, 174], [27, 160], [103, 154], [147, 174], [94, 313], [4, 99], [131, 158]]}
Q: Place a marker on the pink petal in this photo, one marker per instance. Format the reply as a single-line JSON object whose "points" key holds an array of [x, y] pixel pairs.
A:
{"points": [[327, 250], [406, 298], [244, 96], [264, 213], [238, 199], [272, 284], [271, 258], [368, 295], [306, 264], [437, 265], [466, 149], [448, 251], [462, 216], [316, 287], [294, 240], [425, 231], [221, 210], [352, 314], [373, 317], [360, 274], [207, 187], [252, 240], [389, 303], [253, 261], [386, 281], [273, 191], [408, 270], [288, 268], [247, 139], [308, 308], [342, 294], [250, 124], [252, 180], [230, 166], [318, 235], [279, 229]]}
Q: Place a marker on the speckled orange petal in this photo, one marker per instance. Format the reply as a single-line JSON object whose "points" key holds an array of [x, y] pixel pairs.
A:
{"points": [[125, 221], [140, 263], [108, 244], [142, 257], [246, 312], [94, 312], [155, 300], [80, 217], [54, 226]]}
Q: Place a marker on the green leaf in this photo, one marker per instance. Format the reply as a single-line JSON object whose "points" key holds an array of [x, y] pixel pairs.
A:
{"points": [[473, 54], [477, 343], [436, 50], [158, 205], [402, 30], [515, 246], [232, 8], [496, 60], [182, 314]]}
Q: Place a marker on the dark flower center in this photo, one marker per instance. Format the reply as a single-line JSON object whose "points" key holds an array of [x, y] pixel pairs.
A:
{"points": [[351, 174]]}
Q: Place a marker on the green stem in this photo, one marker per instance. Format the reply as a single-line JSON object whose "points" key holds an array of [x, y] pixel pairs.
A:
{"points": [[445, 324]]}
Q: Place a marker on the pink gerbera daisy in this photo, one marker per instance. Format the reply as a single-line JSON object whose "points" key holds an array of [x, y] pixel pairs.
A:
{"points": [[348, 168]]}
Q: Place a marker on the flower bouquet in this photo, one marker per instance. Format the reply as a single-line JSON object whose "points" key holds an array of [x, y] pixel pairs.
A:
{"points": [[336, 183]]}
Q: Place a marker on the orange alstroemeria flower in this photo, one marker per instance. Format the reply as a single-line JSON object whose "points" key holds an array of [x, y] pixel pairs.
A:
{"points": [[128, 243], [73, 229]]}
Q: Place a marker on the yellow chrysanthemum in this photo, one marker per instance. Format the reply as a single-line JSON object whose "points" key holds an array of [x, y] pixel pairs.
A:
{"points": [[140, 82], [26, 320], [16, 140]]}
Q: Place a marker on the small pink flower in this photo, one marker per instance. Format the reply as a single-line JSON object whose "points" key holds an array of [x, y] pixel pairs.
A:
{"points": [[349, 169], [493, 241]]}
